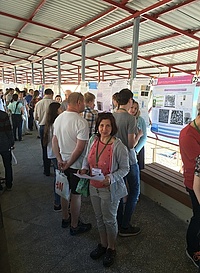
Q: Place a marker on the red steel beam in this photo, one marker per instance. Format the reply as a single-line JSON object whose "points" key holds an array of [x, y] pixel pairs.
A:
{"points": [[152, 18], [30, 18], [38, 24]]}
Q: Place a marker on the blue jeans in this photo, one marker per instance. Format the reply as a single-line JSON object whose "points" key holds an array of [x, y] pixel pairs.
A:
{"points": [[56, 196], [125, 211], [194, 225]]}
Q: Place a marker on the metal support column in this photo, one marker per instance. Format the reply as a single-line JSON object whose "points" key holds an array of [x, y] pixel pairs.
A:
{"points": [[15, 74], [83, 61], [3, 76], [59, 73], [169, 71], [99, 71], [79, 75], [43, 72], [198, 61], [32, 74], [134, 50]]}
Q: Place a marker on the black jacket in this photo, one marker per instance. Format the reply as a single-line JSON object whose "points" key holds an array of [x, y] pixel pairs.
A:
{"points": [[6, 133]]}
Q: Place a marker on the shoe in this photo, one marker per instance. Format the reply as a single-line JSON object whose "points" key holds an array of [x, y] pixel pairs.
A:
{"points": [[57, 208], [1, 187], [66, 223], [194, 257], [45, 173], [98, 252], [8, 189], [81, 228], [130, 231], [28, 134], [109, 257], [38, 136]]}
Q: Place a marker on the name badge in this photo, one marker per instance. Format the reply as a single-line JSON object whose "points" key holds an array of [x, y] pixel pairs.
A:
{"points": [[96, 171]]}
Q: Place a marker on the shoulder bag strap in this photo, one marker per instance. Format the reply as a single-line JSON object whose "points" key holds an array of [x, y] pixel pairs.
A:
{"points": [[16, 106]]}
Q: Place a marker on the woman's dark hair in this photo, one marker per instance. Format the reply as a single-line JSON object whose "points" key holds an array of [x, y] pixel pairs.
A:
{"points": [[36, 93], [51, 116], [109, 116], [15, 97]]}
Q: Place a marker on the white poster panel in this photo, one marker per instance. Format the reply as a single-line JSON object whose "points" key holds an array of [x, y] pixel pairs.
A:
{"points": [[172, 108], [106, 90], [141, 89]]}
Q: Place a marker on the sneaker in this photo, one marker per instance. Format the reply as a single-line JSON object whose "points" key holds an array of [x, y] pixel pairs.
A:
{"points": [[66, 223], [130, 231], [57, 208], [194, 257], [98, 252], [109, 257], [81, 228]]}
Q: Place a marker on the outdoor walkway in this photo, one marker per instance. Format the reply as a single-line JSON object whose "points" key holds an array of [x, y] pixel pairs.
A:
{"points": [[37, 244]]}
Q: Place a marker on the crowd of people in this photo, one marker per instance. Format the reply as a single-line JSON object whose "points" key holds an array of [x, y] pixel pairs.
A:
{"points": [[75, 138]]}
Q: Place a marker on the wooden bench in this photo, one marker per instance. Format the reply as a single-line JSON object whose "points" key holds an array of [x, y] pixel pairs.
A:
{"points": [[167, 181]]}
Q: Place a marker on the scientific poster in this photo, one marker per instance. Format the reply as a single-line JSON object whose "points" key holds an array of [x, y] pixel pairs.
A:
{"points": [[173, 108]]}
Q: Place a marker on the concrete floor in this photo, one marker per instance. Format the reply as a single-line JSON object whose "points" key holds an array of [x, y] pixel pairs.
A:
{"points": [[37, 244]]}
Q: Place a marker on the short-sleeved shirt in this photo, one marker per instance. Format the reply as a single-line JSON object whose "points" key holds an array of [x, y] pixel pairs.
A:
{"points": [[189, 143], [126, 125], [15, 110], [91, 116], [68, 127], [41, 109]]}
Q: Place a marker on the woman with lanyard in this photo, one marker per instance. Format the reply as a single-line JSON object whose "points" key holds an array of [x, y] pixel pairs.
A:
{"points": [[106, 156]]}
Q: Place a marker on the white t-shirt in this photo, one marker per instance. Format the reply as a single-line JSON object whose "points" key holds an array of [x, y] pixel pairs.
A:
{"points": [[68, 127]]}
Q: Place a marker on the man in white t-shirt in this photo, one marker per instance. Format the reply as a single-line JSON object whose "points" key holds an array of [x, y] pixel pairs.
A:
{"points": [[71, 133]]}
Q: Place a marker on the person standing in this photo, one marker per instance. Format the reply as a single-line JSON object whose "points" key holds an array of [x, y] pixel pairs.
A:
{"points": [[108, 155], [29, 98], [17, 110], [6, 144], [40, 113], [64, 103], [127, 130], [70, 136], [53, 111], [141, 135], [189, 143], [89, 113]]}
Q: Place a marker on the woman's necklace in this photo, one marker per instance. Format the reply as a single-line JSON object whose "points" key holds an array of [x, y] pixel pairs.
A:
{"points": [[195, 125]]}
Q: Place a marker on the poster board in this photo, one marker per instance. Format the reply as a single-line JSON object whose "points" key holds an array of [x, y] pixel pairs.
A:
{"points": [[174, 105], [142, 89], [105, 91]]}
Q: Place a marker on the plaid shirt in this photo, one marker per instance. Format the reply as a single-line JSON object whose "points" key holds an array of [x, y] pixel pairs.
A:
{"points": [[91, 116]]}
